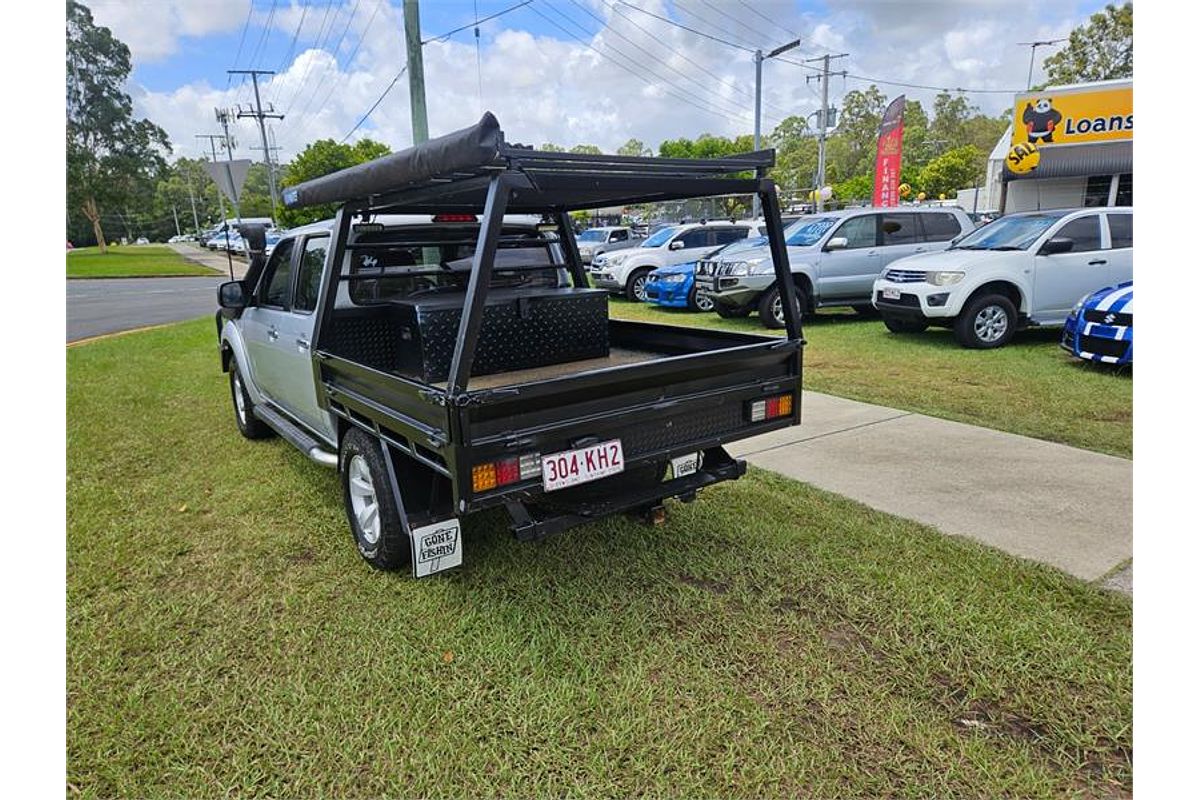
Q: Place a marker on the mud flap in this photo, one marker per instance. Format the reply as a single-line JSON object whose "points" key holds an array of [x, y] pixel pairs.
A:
{"points": [[436, 547]]}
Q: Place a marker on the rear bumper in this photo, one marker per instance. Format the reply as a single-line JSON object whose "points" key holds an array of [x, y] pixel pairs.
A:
{"points": [[530, 525]]}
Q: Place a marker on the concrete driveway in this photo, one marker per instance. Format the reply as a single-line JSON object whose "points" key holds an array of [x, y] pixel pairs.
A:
{"points": [[1070, 508]]}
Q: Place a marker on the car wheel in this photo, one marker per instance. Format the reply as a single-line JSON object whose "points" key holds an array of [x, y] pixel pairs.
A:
{"points": [[699, 302], [986, 323], [248, 425], [770, 307], [897, 325], [635, 289], [370, 508], [731, 312]]}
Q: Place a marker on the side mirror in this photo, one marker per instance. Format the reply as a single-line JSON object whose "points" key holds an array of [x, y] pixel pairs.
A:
{"points": [[1059, 244], [231, 297], [676, 245], [837, 243]]}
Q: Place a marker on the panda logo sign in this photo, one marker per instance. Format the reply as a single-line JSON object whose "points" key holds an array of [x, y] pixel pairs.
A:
{"points": [[1040, 119]]}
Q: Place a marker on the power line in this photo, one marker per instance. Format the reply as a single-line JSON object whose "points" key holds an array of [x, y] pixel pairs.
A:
{"points": [[750, 7], [377, 102], [292, 46], [242, 41], [266, 35], [703, 87], [448, 34], [686, 28], [867, 79], [322, 34], [349, 61], [605, 56], [325, 77], [745, 40]]}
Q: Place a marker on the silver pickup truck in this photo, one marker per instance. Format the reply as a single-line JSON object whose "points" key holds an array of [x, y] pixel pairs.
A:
{"points": [[595, 241]]}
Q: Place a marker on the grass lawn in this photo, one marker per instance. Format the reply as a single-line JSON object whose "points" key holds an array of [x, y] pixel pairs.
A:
{"points": [[224, 637], [131, 261], [1029, 387]]}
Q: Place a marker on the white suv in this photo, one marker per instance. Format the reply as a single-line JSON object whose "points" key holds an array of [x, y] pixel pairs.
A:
{"points": [[625, 271], [1023, 269]]}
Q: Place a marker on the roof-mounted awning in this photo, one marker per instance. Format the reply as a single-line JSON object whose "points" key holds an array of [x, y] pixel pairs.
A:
{"points": [[452, 172]]}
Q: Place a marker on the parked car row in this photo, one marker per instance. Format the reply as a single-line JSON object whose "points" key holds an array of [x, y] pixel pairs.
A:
{"points": [[917, 267]]}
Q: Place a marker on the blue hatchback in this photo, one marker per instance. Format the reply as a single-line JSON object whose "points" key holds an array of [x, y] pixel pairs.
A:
{"points": [[1100, 327], [675, 286]]}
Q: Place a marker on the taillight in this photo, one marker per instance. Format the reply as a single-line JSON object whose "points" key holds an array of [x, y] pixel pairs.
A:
{"points": [[454, 218], [769, 408], [492, 474]]}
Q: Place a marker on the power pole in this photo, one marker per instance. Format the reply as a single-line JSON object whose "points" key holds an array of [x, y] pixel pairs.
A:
{"points": [[416, 71], [272, 165], [1033, 46], [759, 58], [175, 214], [212, 140], [261, 115], [224, 115], [824, 119], [192, 198]]}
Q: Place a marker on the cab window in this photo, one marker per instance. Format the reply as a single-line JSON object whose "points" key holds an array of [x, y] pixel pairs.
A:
{"points": [[308, 283], [696, 237], [898, 229], [619, 236], [1084, 231], [278, 276], [723, 236], [939, 227], [858, 231]]}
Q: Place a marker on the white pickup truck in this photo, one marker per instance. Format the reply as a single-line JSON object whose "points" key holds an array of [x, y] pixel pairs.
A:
{"points": [[1026, 269]]}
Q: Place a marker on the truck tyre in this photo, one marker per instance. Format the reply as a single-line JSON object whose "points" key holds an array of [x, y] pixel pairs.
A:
{"points": [[699, 302], [898, 325], [770, 307], [370, 508], [635, 288], [987, 322], [731, 312], [248, 425]]}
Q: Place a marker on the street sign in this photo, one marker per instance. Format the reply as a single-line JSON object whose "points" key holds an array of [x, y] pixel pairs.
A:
{"points": [[229, 176]]}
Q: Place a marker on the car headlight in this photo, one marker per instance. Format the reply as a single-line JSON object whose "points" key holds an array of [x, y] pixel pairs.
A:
{"points": [[615, 259], [1079, 305], [761, 266], [673, 277], [944, 278], [737, 269]]}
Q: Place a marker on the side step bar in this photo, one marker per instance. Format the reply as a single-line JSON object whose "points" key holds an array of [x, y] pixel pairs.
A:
{"points": [[297, 436]]}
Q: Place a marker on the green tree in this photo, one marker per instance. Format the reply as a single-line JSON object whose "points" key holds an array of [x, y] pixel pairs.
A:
{"points": [[853, 148], [1099, 50], [634, 147], [953, 170], [550, 147], [587, 149], [111, 157], [950, 115], [322, 157], [795, 153]]}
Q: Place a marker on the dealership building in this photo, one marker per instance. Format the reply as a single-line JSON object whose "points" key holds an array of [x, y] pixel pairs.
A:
{"points": [[1083, 135]]}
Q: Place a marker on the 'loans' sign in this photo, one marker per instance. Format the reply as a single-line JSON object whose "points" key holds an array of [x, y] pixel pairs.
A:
{"points": [[1074, 116]]}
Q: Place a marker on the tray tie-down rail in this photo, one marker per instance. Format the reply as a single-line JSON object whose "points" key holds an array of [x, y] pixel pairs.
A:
{"points": [[718, 465]]}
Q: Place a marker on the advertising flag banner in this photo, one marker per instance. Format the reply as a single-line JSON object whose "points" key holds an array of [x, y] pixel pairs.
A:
{"points": [[887, 156]]}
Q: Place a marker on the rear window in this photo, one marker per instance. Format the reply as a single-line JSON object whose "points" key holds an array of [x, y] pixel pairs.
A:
{"points": [[723, 236], [399, 264], [940, 227], [1084, 231], [1120, 228]]}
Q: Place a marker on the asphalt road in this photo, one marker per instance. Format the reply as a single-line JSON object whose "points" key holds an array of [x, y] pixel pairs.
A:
{"points": [[95, 307]]}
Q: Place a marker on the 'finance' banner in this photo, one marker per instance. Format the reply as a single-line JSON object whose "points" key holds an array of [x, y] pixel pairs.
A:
{"points": [[887, 157]]}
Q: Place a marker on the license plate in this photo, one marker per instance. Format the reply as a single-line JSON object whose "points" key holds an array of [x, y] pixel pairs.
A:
{"points": [[891, 294], [573, 467], [685, 465]]}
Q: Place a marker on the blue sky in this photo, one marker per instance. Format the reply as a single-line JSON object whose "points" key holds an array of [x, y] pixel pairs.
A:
{"points": [[567, 71]]}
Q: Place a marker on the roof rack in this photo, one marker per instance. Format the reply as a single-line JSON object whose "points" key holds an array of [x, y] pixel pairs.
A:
{"points": [[452, 173]]}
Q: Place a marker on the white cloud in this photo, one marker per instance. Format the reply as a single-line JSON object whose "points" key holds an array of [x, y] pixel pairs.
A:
{"points": [[556, 88], [152, 29]]}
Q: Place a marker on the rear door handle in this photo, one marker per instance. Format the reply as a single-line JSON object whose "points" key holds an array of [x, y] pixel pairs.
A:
{"points": [[1097, 262], [302, 343], [272, 334]]}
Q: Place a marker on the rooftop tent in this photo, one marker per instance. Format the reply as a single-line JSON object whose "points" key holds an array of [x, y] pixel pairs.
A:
{"points": [[452, 172]]}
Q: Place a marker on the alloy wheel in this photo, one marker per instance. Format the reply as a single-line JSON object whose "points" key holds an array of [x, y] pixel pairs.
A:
{"points": [[991, 323], [363, 499]]}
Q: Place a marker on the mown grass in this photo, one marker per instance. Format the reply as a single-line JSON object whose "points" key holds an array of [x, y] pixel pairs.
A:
{"points": [[130, 261], [1030, 387], [224, 637]]}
